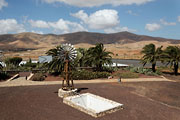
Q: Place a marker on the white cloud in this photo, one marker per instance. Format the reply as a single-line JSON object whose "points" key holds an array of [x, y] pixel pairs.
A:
{"points": [[39, 24], [66, 26], [92, 3], [131, 13], [81, 15], [167, 23], [10, 26], [152, 27], [60, 26], [102, 19], [118, 29], [38, 32], [3, 3], [178, 18]]}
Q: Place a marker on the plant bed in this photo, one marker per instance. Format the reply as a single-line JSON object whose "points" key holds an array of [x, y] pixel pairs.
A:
{"points": [[87, 75], [128, 74]]}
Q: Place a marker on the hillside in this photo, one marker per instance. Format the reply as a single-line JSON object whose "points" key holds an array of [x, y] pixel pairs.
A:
{"points": [[121, 37], [122, 43]]}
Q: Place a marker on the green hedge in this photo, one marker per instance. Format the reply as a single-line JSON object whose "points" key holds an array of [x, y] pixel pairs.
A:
{"points": [[87, 75]]}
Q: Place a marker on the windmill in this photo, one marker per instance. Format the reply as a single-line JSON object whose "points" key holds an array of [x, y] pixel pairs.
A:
{"points": [[67, 53]]}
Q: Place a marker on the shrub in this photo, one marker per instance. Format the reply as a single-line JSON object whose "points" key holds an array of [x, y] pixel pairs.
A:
{"points": [[102, 74], [158, 72], [38, 77], [87, 75], [4, 76], [142, 70], [153, 73], [31, 65], [134, 69], [110, 69]]}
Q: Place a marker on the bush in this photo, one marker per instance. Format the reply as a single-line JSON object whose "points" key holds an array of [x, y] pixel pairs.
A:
{"points": [[38, 77], [153, 73], [31, 65], [102, 74], [87, 75], [142, 70], [14, 61], [110, 69], [134, 69], [158, 72], [4, 76]]}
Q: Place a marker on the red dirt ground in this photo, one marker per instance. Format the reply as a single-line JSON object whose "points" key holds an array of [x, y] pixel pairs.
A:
{"points": [[42, 102]]}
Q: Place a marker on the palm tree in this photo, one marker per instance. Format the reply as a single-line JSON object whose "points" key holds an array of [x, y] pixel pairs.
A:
{"points": [[172, 55], [53, 51], [56, 64], [151, 55], [81, 56], [98, 56]]}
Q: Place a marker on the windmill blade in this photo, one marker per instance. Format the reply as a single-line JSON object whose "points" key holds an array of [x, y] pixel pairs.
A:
{"points": [[67, 49]]}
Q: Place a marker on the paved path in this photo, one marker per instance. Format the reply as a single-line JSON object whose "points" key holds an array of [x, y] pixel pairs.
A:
{"points": [[21, 81], [43, 103], [147, 79]]}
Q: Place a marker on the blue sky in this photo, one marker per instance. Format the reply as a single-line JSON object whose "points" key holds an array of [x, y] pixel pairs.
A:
{"points": [[160, 18]]}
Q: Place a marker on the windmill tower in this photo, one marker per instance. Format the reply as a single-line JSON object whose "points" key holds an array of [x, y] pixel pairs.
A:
{"points": [[67, 54]]}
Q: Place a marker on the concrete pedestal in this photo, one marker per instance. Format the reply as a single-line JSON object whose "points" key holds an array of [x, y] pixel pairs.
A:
{"points": [[65, 93]]}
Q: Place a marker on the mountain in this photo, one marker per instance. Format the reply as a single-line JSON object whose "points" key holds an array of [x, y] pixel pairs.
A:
{"points": [[121, 37], [24, 41], [121, 44]]}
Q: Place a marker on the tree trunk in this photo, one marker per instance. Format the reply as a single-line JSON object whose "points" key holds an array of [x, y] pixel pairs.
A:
{"points": [[176, 68], [154, 67], [80, 62], [100, 66]]}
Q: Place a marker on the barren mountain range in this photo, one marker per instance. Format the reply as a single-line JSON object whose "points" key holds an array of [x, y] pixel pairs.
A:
{"points": [[123, 44]]}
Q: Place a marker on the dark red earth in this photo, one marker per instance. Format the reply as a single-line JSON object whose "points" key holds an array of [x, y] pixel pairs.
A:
{"points": [[42, 103]]}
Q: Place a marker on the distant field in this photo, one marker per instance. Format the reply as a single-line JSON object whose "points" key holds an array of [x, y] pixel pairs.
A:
{"points": [[124, 45], [120, 51]]}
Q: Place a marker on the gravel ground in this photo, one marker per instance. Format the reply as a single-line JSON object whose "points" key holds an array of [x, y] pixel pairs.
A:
{"points": [[42, 103]]}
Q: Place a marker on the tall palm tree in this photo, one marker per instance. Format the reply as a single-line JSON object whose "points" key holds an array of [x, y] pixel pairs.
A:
{"points": [[53, 51], [172, 55], [98, 56], [56, 64], [151, 55], [82, 55]]}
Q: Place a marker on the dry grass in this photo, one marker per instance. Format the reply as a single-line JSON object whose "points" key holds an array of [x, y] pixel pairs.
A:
{"points": [[121, 51]]}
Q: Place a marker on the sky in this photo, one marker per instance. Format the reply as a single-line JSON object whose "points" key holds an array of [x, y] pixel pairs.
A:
{"points": [[158, 18]]}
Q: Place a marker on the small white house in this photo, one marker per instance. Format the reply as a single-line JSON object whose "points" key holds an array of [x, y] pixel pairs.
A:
{"points": [[116, 65], [24, 62]]}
